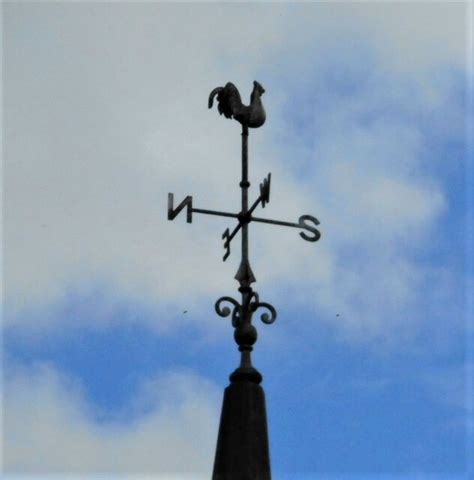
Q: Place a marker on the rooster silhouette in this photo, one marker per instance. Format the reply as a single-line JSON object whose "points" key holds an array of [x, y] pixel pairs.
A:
{"points": [[230, 104]]}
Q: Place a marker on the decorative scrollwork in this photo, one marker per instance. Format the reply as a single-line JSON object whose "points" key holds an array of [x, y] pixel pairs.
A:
{"points": [[265, 317], [226, 311], [252, 304]]}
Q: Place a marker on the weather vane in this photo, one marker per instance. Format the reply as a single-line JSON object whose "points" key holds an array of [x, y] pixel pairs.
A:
{"points": [[253, 116], [242, 451]]}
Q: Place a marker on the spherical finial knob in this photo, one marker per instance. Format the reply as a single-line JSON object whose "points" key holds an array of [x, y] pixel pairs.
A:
{"points": [[245, 334]]}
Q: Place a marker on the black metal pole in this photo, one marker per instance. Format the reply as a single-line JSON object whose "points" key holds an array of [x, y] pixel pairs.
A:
{"points": [[245, 333], [242, 451], [245, 288]]}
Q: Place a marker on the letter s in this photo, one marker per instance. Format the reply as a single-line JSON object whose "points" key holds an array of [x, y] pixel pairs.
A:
{"points": [[303, 224]]}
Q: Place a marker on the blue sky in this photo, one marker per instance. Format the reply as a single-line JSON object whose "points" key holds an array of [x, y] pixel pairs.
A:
{"points": [[114, 361]]}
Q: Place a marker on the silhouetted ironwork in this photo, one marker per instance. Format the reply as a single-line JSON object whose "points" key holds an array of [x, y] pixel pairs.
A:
{"points": [[230, 104], [230, 441]]}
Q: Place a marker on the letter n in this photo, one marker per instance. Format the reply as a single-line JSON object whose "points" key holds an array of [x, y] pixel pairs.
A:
{"points": [[187, 202]]}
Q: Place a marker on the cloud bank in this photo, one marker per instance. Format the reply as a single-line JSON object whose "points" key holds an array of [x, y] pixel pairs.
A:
{"points": [[100, 127], [51, 427]]}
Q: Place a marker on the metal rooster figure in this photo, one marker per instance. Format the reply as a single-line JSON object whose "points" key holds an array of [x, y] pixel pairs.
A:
{"points": [[231, 106], [242, 448]]}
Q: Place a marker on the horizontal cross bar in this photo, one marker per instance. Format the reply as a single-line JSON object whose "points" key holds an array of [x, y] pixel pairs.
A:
{"points": [[255, 205], [262, 199], [213, 212], [188, 204], [302, 223], [275, 222]]}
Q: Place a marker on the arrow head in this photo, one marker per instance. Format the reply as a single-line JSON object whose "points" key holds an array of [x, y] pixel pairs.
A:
{"points": [[244, 274]]}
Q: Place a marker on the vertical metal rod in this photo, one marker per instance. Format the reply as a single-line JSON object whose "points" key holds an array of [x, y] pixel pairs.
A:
{"points": [[244, 184]]}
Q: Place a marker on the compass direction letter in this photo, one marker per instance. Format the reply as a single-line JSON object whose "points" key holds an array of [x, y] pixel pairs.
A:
{"points": [[265, 190], [187, 202], [226, 238], [303, 224]]}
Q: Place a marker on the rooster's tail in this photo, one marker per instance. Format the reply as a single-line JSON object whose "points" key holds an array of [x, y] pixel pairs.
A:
{"points": [[213, 94]]}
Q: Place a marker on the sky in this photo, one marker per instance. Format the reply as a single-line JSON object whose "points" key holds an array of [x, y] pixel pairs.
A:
{"points": [[114, 361]]}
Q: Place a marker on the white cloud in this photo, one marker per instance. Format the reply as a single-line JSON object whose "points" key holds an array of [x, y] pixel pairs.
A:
{"points": [[49, 428], [442, 37], [96, 140], [408, 37], [101, 126]]}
